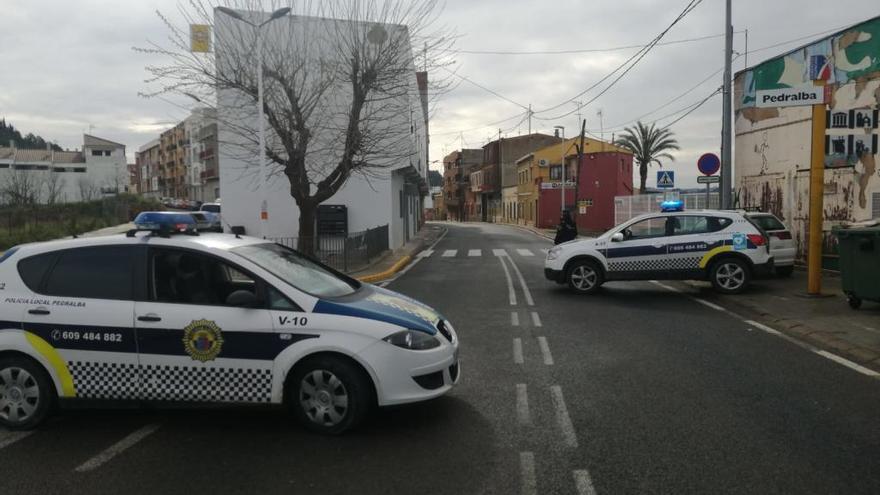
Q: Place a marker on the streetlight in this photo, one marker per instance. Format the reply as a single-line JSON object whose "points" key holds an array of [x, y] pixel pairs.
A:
{"points": [[562, 188], [264, 205]]}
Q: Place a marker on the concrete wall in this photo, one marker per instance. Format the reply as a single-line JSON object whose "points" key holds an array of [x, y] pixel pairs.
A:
{"points": [[773, 145]]}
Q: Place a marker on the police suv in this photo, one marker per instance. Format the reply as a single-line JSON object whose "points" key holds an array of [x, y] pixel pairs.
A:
{"points": [[724, 247], [182, 317]]}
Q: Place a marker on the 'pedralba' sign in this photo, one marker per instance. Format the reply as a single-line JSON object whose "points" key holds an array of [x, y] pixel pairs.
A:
{"points": [[789, 97]]}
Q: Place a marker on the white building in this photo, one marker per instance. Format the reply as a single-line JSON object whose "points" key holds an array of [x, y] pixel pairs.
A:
{"points": [[100, 169], [391, 195]]}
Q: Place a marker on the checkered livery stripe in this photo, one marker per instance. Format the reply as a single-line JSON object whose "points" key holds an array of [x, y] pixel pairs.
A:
{"points": [[689, 263], [172, 383]]}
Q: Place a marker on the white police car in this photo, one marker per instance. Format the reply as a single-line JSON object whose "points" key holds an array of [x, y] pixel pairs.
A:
{"points": [[724, 247], [209, 318]]}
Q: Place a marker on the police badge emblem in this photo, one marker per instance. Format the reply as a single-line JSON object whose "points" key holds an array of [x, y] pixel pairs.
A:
{"points": [[202, 340]]}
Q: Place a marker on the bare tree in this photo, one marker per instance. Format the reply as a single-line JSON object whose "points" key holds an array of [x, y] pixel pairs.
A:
{"points": [[53, 185], [340, 90], [20, 187], [88, 190]]}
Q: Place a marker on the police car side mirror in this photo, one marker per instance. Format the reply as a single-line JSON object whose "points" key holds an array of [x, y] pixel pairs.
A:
{"points": [[242, 299], [617, 237]]}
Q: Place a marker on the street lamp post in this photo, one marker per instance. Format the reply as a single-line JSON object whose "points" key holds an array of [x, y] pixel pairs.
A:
{"points": [[562, 187], [264, 204]]}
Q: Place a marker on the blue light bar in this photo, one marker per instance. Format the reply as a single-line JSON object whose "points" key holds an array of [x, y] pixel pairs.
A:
{"points": [[676, 205], [167, 221]]}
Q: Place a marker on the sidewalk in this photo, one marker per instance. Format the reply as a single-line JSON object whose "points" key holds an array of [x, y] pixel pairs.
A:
{"points": [[825, 322], [394, 261]]}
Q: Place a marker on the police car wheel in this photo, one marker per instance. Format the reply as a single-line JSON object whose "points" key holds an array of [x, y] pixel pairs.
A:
{"points": [[730, 276], [584, 277], [25, 393], [329, 395]]}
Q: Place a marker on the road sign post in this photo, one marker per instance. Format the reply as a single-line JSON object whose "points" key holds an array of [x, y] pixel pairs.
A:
{"points": [[708, 164]]}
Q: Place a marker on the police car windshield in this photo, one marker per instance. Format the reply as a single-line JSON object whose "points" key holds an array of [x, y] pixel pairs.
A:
{"points": [[296, 270]]}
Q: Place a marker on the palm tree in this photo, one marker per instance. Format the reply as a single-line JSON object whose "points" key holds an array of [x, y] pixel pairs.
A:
{"points": [[648, 145]]}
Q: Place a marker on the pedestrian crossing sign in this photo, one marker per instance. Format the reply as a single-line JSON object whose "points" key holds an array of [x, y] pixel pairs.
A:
{"points": [[665, 179]]}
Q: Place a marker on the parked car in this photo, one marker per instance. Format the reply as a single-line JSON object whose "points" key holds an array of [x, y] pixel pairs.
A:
{"points": [[723, 247], [212, 212], [782, 246]]}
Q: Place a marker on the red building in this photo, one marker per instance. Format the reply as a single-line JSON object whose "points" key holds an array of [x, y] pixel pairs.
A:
{"points": [[601, 176]]}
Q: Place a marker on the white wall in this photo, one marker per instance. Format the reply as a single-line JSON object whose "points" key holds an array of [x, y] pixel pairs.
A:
{"points": [[372, 200]]}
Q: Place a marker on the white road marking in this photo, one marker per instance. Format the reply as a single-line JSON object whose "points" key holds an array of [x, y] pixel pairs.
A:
{"points": [[562, 418], [522, 405], [514, 318], [116, 449], [583, 482], [524, 252], [475, 252], [426, 253], [511, 292], [449, 253], [849, 364], [522, 282], [499, 252], [545, 351], [536, 320], [667, 287], [517, 351], [545, 250], [8, 438], [763, 327], [527, 473], [709, 304], [414, 262]]}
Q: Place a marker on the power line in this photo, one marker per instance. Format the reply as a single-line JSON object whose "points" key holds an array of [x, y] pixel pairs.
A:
{"points": [[588, 50], [635, 58], [484, 88]]}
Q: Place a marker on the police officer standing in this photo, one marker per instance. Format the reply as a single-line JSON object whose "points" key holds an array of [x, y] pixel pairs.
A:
{"points": [[566, 230]]}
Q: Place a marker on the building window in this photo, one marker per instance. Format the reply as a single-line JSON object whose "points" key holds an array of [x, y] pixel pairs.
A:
{"points": [[875, 205], [101, 152], [80, 170]]}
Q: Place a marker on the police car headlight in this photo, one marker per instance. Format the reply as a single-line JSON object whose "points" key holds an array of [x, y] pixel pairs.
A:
{"points": [[553, 253], [413, 340]]}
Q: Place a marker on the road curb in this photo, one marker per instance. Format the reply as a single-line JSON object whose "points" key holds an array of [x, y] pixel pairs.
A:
{"points": [[378, 277]]}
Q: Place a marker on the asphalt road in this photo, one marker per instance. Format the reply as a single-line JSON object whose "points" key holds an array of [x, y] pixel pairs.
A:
{"points": [[637, 389]]}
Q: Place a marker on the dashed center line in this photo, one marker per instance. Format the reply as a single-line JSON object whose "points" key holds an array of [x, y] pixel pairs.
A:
{"points": [[517, 351], [536, 320], [527, 473], [569, 437], [522, 405], [117, 448], [514, 318], [545, 351], [522, 281], [583, 483], [511, 292]]}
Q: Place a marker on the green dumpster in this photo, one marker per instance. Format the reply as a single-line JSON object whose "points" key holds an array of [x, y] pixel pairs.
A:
{"points": [[859, 250]]}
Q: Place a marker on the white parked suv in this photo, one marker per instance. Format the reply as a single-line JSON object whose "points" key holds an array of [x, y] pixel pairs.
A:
{"points": [[782, 246], [724, 247]]}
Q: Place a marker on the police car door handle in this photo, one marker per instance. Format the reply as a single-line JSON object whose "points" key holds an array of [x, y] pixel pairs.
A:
{"points": [[149, 318], [39, 311]]}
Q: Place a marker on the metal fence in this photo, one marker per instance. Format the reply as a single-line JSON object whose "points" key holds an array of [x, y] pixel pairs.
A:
{"points": [[627, 207], [344, 253]]}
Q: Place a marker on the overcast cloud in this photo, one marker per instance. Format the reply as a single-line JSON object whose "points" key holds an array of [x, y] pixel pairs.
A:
{"points": [[70, 65]]}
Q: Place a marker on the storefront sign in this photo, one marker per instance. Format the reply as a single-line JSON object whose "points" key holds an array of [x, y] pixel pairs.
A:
{"points": [[557, 184]]}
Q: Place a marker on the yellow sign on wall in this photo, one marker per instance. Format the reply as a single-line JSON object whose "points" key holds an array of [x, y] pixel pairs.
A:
{"points": [[200, 38]]}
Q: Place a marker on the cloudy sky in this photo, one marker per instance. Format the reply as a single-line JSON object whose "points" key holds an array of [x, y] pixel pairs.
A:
{"points": [[69, 66]]}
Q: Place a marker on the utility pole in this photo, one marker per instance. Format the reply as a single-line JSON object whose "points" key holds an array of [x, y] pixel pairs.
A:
{"points": [[562, 169], [726, 162], [601, 128], [530, 118], [580, 105]]}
